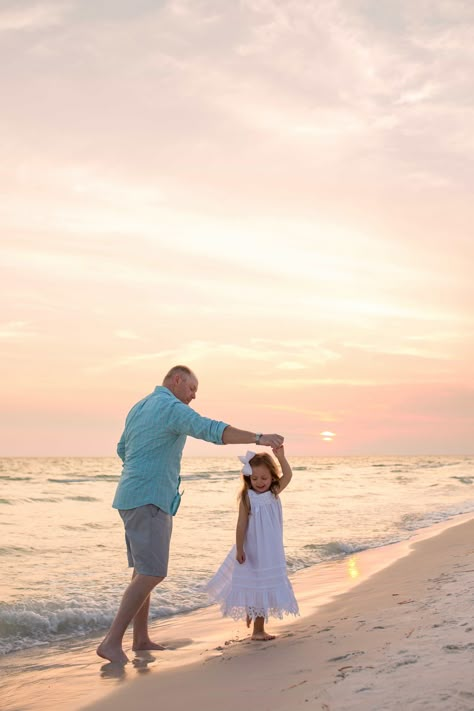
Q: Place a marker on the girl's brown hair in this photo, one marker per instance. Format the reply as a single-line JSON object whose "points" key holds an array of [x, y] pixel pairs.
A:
{"points": [[267, 461]]}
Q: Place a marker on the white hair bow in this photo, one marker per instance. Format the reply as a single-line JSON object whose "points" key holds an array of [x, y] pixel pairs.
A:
{"points": [[247, 470]]}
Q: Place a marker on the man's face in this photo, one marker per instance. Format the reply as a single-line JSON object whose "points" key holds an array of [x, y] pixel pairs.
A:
{"points": [[186, 388]]}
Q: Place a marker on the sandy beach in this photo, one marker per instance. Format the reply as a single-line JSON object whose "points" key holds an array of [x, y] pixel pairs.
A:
{"points": [[403, 638]]}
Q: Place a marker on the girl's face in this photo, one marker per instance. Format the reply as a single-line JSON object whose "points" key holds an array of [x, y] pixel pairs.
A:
{"points": [[261, 478]]}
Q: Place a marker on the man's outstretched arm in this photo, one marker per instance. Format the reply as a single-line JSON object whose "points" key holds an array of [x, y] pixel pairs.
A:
{"points": [[232, 435]]}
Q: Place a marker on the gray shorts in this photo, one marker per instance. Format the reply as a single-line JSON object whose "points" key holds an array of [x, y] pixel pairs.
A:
{"points": [[148, 535]]}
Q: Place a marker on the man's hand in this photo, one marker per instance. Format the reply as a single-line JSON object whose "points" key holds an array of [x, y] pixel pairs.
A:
{"points": [[271, 440]]}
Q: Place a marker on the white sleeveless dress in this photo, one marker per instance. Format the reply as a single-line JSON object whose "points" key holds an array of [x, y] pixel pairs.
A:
{"points": [[259, 587]]}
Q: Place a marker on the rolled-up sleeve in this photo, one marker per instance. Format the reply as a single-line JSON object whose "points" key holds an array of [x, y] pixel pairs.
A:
{"points": [[185, 420]]}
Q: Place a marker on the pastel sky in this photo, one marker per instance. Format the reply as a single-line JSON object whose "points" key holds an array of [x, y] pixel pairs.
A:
{"points": [[277, 193]]}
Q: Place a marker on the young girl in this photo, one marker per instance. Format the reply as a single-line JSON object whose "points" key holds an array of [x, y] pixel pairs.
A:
{"points": [[252, 582]]}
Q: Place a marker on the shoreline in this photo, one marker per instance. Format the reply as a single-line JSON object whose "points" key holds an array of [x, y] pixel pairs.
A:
{"points": [[71, 676]]}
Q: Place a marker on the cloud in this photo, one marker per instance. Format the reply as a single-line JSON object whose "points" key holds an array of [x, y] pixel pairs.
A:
{"points": [[298, 384], [290, 365], [258, 351], [334, 91], [320, 415], [404, 347], [15, 331], [32, 17], [126, 335]]}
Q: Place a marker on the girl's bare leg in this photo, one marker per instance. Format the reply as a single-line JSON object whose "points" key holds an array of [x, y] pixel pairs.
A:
{"points": [[259, 630]]}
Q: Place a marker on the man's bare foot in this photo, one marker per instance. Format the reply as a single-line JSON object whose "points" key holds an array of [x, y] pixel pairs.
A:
{"points": [[111, 652], [146, 646], [262, 636]]}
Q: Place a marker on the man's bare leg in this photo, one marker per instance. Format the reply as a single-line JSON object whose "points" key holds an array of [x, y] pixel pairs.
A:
{"points": [[133, 599], [141, 638]]}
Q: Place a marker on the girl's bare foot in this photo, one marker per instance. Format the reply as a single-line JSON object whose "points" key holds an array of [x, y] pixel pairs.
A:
{"points": [[262, 636], [111, 652], [248, 620]]}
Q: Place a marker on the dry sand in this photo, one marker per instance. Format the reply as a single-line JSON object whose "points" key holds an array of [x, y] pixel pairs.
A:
{"points": [[403, 639]]}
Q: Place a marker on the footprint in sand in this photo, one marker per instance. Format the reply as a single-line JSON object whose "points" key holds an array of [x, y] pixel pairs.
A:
{"points": [[349, 669], [343, 657], [458, 647], [401, 663]]}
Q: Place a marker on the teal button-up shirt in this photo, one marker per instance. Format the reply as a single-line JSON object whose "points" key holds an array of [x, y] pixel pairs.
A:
{"points": [[151, 447]]}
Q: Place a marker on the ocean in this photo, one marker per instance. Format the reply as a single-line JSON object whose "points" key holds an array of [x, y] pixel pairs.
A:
{"points": [[62, 549]]}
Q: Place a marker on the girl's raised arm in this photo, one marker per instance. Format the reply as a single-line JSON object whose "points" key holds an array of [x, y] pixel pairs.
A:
{"points": [[286, 472]]}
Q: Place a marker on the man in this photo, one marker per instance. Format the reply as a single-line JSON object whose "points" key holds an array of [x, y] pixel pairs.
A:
{"points": [[148, 495]]}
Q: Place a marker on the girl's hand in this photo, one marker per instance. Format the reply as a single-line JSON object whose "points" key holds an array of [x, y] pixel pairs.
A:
{"points": [[240, 556], [279, 452]]}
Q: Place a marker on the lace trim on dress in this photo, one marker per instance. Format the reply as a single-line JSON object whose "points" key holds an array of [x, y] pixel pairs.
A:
{"points": [[241, 613]]}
